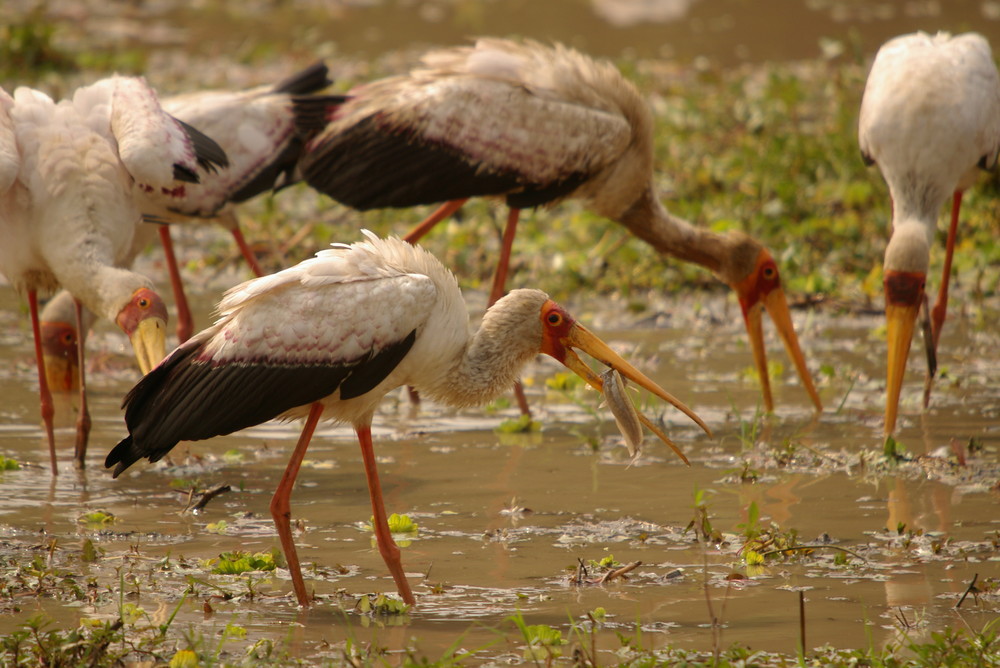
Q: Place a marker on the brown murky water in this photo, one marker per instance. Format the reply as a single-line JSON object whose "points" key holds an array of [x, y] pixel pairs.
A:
{"points": [[459, 479]]}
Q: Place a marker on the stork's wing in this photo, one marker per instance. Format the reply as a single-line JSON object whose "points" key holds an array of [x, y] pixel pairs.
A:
{"points": [[401, 142], [257, 130], [156, 149], [302, 339], [10, 158]]}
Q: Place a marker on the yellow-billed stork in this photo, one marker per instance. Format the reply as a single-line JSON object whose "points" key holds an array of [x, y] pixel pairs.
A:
{"points": [[536, 125], [262, 142], [260, 133], [73, 173], [930, 116], [330, 337]]}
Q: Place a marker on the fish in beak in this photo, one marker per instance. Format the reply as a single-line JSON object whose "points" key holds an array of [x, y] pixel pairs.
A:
{"points": [[144, 321], [761, 291], [562, 334], [904, 293]]}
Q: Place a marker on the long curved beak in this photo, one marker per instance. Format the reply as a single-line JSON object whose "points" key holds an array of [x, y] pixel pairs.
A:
{"points": [[777, 307], [900, 320], [61, 373], [904, 293], [581, 338], [149, 342]]}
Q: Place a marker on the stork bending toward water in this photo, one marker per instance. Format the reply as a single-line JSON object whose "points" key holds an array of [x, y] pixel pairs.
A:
{"points": [[930, 117], [535, 125], [259, 129], [71, 176], [330, 337]]}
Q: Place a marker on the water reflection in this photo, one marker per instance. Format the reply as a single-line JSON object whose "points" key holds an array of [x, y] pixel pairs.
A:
{"points": [[625, 13]]}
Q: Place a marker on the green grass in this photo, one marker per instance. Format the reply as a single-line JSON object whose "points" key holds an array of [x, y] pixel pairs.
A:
{"points": [[133, 637]]}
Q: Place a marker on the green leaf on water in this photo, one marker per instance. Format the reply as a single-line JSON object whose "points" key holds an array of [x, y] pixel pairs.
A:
{"points": [[519, 425], [235, 563], [89, 554], [96, 518]]}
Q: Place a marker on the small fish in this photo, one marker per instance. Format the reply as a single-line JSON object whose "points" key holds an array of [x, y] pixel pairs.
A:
{"points": [[624, 411]]}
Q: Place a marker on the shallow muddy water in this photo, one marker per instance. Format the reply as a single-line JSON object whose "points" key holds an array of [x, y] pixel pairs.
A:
{"points": [[918, 530], [504, 518]]}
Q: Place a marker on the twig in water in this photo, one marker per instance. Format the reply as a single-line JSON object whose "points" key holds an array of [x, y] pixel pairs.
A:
{"points": [[971, 589], [207, 496], [617, 572], [802, 622], [930, 347]]}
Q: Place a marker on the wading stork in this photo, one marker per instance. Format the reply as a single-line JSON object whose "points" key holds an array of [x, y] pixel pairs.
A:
{"points": [[72, 175], [259, 129], [260, 134], [328, 338], [535, 125], [930, 117]]}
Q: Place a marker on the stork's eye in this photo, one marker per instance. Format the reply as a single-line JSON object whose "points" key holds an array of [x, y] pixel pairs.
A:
{"points": [[770, 271], [68, 338], [554, 318], [143, 302]]}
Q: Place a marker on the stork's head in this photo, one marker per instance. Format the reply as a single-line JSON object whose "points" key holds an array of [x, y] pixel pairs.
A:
{"points": [[59, 353], [561, 334], [750, 270], [905, 275], [144, 321]]}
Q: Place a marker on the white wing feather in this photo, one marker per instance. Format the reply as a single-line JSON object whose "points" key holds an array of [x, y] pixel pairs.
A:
{"points": [[10, 159], [251, 126], [557, 116], [150, 142], [338, 306]]}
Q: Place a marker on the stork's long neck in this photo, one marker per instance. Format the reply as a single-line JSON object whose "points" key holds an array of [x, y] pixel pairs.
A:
{"points": [[86, 268], [649, 220], [509, 337], [108, 289], [908, 249]]}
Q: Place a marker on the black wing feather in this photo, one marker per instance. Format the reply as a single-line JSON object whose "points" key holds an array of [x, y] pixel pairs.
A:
{"points": [[314, 78], [369, 166], [187, 399], [207, 151], [281, 171]]}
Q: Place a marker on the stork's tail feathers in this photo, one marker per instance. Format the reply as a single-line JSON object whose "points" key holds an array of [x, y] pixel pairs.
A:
{"points": [[122, 456], [310, 80], [313, 112]]}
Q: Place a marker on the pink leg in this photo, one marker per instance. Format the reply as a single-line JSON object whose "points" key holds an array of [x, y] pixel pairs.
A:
{"points": [[500, 288], [941, 305], [45, 396], [386, 545], [442, 212], [281, 507], [83, 419], [234, 228], [185, 324], [503, 265]]}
